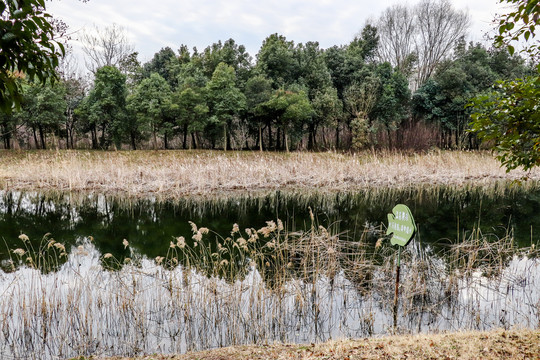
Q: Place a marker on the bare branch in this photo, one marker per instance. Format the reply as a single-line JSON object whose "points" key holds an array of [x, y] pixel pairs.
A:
{"points": [[416, 40], [106, 46], [396, 28], [439, 27]]}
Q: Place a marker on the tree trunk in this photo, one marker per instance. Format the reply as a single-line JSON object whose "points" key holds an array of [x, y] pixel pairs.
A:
{"points": [[286, 139], [69, 129], [278, 140], [70, 139], [42, 137], [225, 136], [154, 135], [36, 142], [260, 138], [94, 137], [133, 143], [165, 141], [194, 140], [269, 135], [7, 137], [67, 135], [102, 140], [229, 146], [56, 141], [184, 141], [337, 136], [312, 141]]}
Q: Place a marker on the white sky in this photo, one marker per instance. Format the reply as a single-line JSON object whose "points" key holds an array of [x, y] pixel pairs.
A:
{"points": [[152, 25]]}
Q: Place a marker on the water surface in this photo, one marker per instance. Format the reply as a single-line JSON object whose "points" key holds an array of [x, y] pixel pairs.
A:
{"points": [[442, 214]]}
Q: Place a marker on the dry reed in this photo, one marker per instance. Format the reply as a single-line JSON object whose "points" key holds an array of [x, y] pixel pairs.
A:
{"points": [[172, 174], [261, 286]]}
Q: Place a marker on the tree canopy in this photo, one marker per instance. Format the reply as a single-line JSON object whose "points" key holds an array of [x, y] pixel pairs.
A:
{"points": [[29, 48], [509, 114], [290, 95]]}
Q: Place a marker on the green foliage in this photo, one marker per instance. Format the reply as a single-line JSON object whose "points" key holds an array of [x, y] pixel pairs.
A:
{"points": [[359, 128], [509, 117], [192, 110], [42, 110], [310, 69], [163, 63], [150, 104], [294, 94], [8, 124], [392, 104], [291, 109], [28, 48], [519, 24], [327, 110], [276, 60], [225, 100], [366, 45], [337, 62], [105, 107], [229, 53], [442, 99], [257, 91]]}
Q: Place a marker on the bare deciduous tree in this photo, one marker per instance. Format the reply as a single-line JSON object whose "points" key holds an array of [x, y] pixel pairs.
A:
{"points": [[396, 29], [416, 39], [439, 27], [107, 46]]}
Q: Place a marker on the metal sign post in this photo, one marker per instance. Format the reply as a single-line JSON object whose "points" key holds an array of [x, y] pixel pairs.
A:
{"points": [[402, 227]]}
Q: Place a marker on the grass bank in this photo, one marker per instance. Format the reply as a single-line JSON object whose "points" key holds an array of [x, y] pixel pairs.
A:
{"points": [[499, 344], [172, 174]]}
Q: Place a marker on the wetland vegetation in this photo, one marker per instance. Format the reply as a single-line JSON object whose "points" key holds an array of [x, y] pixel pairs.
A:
{"points": [[125, 273], [132, 253], [181, 174]]}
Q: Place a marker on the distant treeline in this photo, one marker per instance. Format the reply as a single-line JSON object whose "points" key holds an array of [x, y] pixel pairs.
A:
{"points": [[386, 89]]}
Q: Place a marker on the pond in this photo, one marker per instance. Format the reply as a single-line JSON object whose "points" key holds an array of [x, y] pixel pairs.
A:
{"points": [[174, 287], [441, 213]]}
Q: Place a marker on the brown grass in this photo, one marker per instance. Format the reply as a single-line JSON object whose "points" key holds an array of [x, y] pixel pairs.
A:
{"points": [[499, 344], [172, 174]]}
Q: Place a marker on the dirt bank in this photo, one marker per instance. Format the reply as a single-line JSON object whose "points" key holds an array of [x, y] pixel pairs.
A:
{"points": [[499, 344]]}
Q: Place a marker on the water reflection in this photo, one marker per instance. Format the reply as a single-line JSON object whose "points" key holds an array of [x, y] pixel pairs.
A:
{"points": [[83, 310], [442, 214], [318, 288]]}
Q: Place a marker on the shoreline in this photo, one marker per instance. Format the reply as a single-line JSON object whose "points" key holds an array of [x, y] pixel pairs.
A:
{"points": [[173, 174], [495, 344]]}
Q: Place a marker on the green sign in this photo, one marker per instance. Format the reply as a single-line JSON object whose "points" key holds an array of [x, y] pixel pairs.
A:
{"points": [[401, 225]]}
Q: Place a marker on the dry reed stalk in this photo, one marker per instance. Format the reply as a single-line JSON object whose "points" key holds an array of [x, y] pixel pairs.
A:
{"points": [[172, 174], [278, 286]]}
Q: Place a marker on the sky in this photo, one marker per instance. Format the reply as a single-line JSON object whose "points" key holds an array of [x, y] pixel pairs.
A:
{"points": [[151, 25]]}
